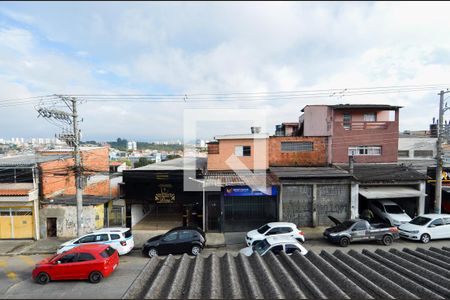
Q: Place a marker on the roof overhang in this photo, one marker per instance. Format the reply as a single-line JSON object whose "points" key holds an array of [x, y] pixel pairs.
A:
{"points": [[377, 192]]}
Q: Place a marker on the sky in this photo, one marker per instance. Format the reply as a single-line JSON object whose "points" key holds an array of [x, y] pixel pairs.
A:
{"points": [[215, 47]]}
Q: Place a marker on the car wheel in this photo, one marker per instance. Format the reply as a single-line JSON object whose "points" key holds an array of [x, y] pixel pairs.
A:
{"points": [[42, 278], [95, 277], [387, 240], [425, 238], [195, 250], [152, 252], [344, 242]]}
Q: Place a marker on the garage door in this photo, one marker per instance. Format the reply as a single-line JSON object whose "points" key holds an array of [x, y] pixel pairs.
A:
{"points": [[297, 204], [243, 213], [334, 200], [16, 223]]}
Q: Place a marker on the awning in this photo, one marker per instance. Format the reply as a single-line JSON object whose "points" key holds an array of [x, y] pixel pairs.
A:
{"points": [[382, 192]]}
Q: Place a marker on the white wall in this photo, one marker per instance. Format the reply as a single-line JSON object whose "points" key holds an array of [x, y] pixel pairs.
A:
{"points": [[411, 144], [137, 213]]}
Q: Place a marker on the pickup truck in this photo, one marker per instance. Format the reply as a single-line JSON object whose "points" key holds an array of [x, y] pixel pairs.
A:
{"points": [[360, 230]]}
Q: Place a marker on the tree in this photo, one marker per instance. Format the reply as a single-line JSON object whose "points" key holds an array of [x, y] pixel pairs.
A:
{"points": [[142, 162]]}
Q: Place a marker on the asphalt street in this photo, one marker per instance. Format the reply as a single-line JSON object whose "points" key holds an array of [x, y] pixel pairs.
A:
{"points": [[16, 282]]}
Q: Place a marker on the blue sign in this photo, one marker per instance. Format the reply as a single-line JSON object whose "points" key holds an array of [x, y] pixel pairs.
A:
{"points": [[247, 191]]}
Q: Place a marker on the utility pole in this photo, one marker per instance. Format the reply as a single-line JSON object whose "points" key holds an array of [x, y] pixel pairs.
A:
{"points": [[72, 138], [439, 154]]}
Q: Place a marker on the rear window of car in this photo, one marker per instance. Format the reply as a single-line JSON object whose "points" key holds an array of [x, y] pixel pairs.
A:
{"points": [[107, 252], [127, 234], [115, 236]]}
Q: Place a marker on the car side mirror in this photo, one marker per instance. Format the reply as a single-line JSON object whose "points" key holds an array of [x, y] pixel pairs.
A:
{"points": [[57, 262], [432, 226]]}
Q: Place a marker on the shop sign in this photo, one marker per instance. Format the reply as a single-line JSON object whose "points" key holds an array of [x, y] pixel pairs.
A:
{"points": [[247, 191], [165, 196]]}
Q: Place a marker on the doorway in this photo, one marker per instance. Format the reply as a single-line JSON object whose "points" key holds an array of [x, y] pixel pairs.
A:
{"points": [[214, 213], [51, 227]]}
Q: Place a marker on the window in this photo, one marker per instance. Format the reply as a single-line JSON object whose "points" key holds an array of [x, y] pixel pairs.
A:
{"points": [[127, 234], [370, 117], [115, 236], [101, 238], [285, 229], [364, 150], [447, 221], [87, 239], [347, 121], [170, 237], [360, 226], [242, 151], [423, 153], [274, 231], [263, 228], [69, 258], [276, 249], [107, 252], [185, 235], [437, 222], [403, 153], [291, 249], [85, 257], [296, 146]]}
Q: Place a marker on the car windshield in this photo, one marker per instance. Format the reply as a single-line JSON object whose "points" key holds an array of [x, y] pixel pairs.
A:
{"points": [[127, 234], [261, 247], [420, 221], [263, 228], [345, 225], [53, 257], [393, 209]]}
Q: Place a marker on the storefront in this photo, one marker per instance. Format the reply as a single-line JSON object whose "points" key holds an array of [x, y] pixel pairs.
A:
{"points": [[156, 198]]}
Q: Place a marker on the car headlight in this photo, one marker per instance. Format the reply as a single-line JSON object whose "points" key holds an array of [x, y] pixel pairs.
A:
{"points": [[415, 231], [333, 234]]}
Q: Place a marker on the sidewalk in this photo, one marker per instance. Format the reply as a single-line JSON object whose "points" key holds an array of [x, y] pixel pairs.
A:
{"points": [[213, 240]]}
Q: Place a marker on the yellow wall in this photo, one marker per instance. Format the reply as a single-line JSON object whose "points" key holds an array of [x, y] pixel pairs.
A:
{"points": [[100, 212]]}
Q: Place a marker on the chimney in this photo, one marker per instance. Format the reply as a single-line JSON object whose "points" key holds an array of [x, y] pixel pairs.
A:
{"points": [[350, 164], [255, 130]]}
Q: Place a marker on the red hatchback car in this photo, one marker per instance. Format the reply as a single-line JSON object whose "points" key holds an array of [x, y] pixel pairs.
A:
{"points": [[91, 262]]}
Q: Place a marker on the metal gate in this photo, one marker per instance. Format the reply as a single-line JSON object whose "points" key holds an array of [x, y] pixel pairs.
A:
{"points": [[16, 223], [243, 213], [297, 204], [334, 200]]}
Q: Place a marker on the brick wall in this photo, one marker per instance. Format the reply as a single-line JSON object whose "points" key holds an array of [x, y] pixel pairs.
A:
{"points": [[58, 176], [317, 157]]}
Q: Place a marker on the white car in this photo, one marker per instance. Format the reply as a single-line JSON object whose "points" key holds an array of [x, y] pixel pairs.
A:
{"points": [[427, 227], [276, 245], [389, 211], [274, 229], [120, 239]]}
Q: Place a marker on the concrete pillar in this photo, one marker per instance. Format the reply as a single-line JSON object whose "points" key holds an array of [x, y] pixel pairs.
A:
{"points": [[280, 203], [314, 205], [354, 200], [36, 219], [421, 200]]}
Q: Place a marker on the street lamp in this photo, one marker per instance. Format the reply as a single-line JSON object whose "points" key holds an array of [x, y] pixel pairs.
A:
{"points": [[204, 210]]}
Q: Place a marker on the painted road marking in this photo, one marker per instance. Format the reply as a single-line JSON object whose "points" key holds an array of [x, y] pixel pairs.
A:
{"points": [[28, 260], [11, 275], [3, 264]]}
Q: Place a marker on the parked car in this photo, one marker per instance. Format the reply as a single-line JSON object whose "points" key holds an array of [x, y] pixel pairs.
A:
{"points": [[350, 231], [276, 245], [389, 211], [92, 262], [120, 239], [427, 227], [274, 229], [178, 240]]}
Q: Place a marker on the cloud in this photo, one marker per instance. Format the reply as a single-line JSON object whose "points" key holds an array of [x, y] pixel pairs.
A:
{"points": [[178, 48]]}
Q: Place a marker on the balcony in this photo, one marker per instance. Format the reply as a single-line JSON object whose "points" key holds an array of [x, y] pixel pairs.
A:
{"points": [[364, 125]]}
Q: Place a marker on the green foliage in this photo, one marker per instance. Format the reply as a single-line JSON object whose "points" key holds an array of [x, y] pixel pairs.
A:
{"points": [[142, 162]]}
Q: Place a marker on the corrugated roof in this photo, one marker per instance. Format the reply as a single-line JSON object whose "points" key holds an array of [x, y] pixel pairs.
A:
{"points": [[309, 172], [245, 178], [29, 159], [385, 173], [192, 163], [383, 274]]}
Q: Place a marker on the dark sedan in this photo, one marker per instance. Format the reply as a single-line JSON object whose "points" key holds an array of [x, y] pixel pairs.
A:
{"points": [[178, 240]]}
